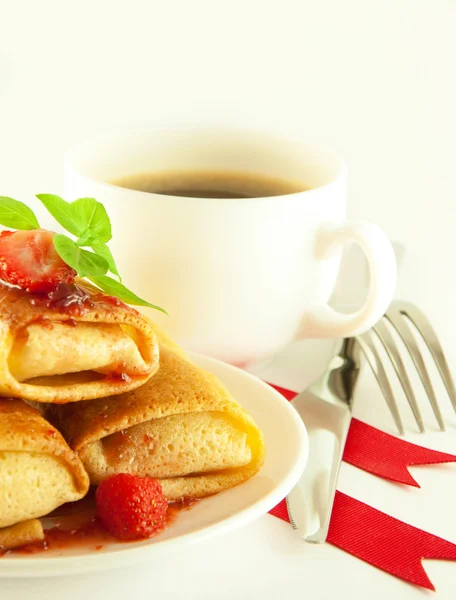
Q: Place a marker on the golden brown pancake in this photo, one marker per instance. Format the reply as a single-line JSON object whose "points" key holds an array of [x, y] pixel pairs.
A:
{"points": [[27, 532], [84, 345], [38, 471], [181, 427]]}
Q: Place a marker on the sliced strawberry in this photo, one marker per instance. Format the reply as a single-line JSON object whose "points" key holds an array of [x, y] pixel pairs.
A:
{"points": [[131, 507], [29, 260]]}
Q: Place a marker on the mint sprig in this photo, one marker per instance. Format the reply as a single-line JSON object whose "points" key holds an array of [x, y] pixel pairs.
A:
{"points": [[87, 220]]}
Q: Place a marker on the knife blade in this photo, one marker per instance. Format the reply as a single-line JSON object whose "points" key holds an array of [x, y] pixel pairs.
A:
{"points": [[326, 409]]}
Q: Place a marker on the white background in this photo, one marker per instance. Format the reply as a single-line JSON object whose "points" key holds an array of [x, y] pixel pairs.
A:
{"points": [[375, 79]]}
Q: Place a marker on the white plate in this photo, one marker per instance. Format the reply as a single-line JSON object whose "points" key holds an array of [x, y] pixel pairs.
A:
{"points": [[286, 455]]}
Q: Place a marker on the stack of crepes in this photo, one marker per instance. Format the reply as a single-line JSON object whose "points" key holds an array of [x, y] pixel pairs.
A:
{"points": [[95, 390]]}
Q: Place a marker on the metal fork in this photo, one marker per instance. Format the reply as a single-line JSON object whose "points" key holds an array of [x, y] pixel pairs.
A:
{"points": [[399, 315]]}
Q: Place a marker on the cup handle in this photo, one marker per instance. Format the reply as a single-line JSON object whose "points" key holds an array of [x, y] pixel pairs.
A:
{"points": [[324, 321]]}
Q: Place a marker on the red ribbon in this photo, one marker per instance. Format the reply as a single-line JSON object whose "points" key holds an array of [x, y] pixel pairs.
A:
{"points": [[382, 454], [367, 533], [381, 540], [387, 456]]}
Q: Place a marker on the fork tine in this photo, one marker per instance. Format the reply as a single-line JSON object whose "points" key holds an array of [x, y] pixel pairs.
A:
{"points": [[396, 318], [374, 360], [388, 342], [429, 335]]}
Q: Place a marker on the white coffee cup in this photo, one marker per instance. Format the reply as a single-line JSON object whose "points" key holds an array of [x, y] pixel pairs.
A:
{"points": [[240, 278]]}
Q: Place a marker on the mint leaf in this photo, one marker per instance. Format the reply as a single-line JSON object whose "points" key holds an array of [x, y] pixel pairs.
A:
{"points": [[104, 251], [62, 212], [93, 221], [113, 287], [84, 262], [16, 215]]}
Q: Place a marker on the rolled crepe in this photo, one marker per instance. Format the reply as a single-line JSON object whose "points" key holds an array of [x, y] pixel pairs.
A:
{"points": [[27, 532], [69, 351], [181, 427], [38, 471]]}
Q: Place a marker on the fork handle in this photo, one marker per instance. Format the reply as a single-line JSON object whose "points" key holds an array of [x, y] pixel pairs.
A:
{"points": [[324, 321]]}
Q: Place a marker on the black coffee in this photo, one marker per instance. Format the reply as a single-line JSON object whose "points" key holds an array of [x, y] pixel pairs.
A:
{"points": [[209, 184]]}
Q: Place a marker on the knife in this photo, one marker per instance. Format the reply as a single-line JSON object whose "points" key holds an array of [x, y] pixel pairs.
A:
{"points": [[326, 409]]}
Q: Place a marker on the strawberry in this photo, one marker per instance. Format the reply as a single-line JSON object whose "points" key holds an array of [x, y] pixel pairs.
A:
{"points": [[131, 507], [29, 260]]}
